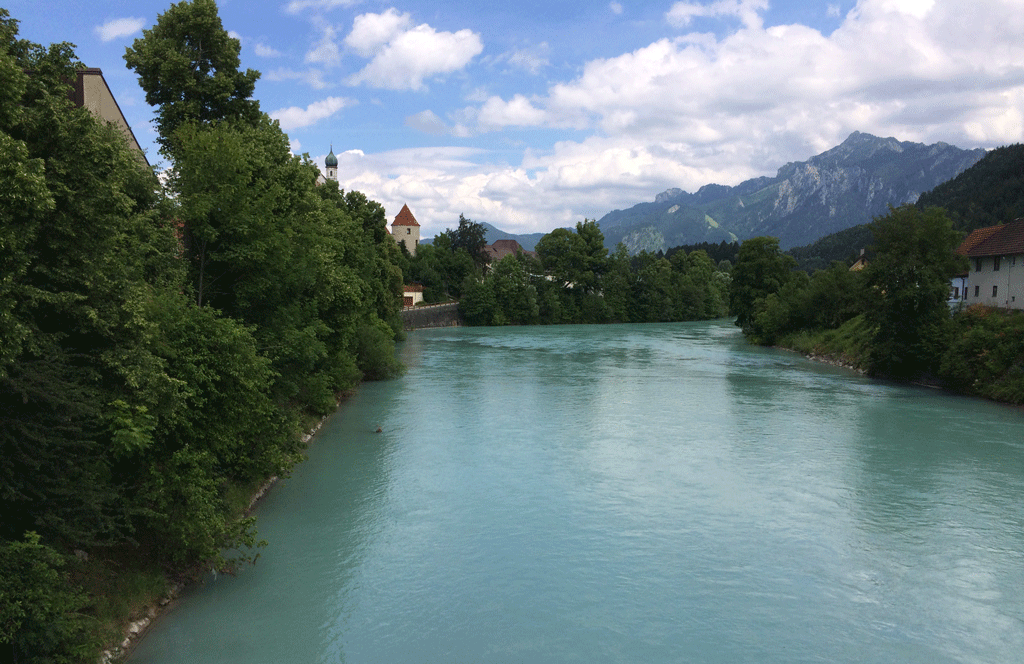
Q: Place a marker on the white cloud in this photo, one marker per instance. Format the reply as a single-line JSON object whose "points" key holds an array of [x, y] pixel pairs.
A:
{"points": [[314, 78], [428, 122], [299, 6], [698, 109], [531, 59], [265, 51], [295, 117], [370, 32], [325, 51], [119, 27], [748, 11], [615, 7], [517, 112], [403, 56]]}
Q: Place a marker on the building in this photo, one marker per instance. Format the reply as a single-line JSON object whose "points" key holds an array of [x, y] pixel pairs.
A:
{"points": [[996, 276], [90, 91], [412, 294], [501, 248], [405, 229]]}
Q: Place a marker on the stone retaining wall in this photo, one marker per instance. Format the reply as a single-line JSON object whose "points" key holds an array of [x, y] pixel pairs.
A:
{"points": [[434, 315]]}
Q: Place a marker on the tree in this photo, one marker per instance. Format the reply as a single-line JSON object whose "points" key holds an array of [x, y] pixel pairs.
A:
{"points": [[577, 259], [910, 279], [472, 237], [39, 608], [761, 269], [188, 65]]}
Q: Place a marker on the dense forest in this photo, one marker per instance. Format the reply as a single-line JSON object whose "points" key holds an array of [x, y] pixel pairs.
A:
{"points": [[163, 345], [571, 279], [891, 319]]}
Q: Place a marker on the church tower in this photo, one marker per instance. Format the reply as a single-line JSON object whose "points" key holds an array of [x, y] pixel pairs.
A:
{"points": [[332, 165]]}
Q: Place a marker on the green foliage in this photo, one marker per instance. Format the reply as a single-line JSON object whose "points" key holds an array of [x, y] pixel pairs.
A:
{"points": [[761, 269], [910, 278], [40, 610], [471, 237], [575, 281], [157, 353], [985, 354], [188, 65], [844, 246], [990, 192]]}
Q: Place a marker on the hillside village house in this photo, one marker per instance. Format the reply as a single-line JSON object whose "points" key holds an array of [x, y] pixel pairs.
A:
{"points": [[996, 276]]}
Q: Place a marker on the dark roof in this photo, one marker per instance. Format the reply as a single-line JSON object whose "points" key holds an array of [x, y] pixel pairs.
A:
{"points": [[1002, 240], [405, 218]]}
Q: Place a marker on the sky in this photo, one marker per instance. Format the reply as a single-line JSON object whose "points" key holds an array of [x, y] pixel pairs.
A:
{"points": [[536, 114]]}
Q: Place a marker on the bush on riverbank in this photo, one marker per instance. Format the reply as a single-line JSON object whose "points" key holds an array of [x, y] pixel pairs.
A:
{"points": [[985, 355], [161, 344]]}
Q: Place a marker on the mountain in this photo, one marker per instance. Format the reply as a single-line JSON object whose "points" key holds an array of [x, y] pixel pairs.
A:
{"points": [[848, 185], [527, 242], [988, 193]]}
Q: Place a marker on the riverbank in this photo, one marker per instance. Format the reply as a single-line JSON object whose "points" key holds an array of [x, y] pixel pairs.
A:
{"points": [[158, 605], [980, 353]]}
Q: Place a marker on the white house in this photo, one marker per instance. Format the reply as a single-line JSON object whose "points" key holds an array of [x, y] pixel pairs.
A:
{"points": [[996, 276]]}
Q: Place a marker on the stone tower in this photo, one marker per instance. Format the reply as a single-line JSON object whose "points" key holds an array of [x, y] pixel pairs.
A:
{"points": [[406, 229]]}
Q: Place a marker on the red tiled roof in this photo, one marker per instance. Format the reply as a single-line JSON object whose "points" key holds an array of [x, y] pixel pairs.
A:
{"points": [[413, 288], [405, 218], [1002, 240]]}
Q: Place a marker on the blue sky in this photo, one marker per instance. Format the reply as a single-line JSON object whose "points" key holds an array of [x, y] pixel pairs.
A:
{"points": [[536, 114]]}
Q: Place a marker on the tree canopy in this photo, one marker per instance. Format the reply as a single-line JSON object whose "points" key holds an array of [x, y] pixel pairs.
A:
{"points": [[188, 66]]}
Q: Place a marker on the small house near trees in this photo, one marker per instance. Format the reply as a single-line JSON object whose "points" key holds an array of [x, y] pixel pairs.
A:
{"points": [[996, 276]]}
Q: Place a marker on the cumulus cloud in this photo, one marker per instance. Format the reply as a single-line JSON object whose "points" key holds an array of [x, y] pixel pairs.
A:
{"points": [[119, 27], [699, 108], [295, 117], [403, 55]]}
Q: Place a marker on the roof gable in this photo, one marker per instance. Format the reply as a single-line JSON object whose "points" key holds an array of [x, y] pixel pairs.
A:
{"points": [[1002, 240], [405, 218]]}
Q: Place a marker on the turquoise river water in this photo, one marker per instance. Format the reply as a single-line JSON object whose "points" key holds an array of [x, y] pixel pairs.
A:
{"points": [[657, 493]]}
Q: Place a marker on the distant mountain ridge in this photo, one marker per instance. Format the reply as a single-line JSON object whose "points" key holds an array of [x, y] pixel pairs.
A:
{"points": [[492, 234], [847, 185]]}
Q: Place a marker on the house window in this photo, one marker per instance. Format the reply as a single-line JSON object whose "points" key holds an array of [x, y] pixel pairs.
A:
{"points": [[956, 292], [976, 289], [995, 263], [408, 231], [977, 265], [995, 289]]}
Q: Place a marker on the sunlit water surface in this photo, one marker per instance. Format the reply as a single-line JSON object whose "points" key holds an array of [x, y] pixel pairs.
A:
{"points": [[658, 493]]}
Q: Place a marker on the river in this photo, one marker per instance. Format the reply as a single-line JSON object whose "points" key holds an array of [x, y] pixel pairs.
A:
{"points": [[654, 493]]}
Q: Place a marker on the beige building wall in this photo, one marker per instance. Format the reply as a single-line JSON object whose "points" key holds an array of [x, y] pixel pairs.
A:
{"points": [[1008, 282], [92, 93]]}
